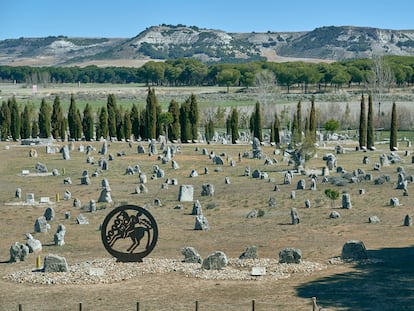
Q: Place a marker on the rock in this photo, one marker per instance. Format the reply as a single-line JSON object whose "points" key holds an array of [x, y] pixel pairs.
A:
{"points": [[59, 237], [196, 208], [207, 190], [65, 153], [271, 202], [92, 206], [191, 255], [408, 221], [334, 215], [215, 261], [290, 255], [308, 204], [394, 202], [373, 220], [301, 185], [49, 214], [77, 202], [67, 196], [186, 193], [18, 252], [55, 263], [41, 168], [249, 253], [201, 223], [354, 250], [105, 196], [18, 193], [346, 201], [41, 225], [294, 216], [33, 244]]}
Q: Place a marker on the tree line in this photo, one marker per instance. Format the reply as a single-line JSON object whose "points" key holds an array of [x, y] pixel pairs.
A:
{"points": [[192, 72]]}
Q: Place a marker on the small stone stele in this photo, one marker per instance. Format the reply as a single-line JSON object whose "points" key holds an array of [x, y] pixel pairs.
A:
{"points": [[408, 221], [354, 250], [55, 263], [215, 261], [18, 252], [201, 223], [290, 255], [249, 253]]}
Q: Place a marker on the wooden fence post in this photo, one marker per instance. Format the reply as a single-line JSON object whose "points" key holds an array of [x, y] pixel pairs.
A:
{"points": [[196, 305], [253, 305], [137, 306], [20, 307], [80, 306]]}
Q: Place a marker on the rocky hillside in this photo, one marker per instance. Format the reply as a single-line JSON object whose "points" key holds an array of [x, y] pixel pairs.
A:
{"points": [[169, 41]]}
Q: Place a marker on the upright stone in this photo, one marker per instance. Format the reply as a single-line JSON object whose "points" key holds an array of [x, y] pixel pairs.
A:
{"points": [[207, 190], [290, 255], [346, 201], [294, 216], [65, 153], [41, 224], [249, 253], [59, 237], [354, 250], [215, 261], [201, 223], [18, 252], [18, 194], [104, 149], [49, 214], [55, 263], [196, 208], [408, 221], [186, 193], [191, 255]]}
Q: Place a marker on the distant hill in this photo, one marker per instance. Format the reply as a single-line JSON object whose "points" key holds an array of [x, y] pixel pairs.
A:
{"points": [[209, 45]]}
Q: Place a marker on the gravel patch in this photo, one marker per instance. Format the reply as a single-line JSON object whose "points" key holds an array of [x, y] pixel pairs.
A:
{"points": [[106, 271]]}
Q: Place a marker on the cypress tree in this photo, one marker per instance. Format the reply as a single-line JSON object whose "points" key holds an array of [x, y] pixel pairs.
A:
{"points": [[15, 123], [127, 125], [185, 125], [35, 129], [258, 123], [87, 123], [102, 128], [74, 120], [151, 114], [394, 128], [174, 130], [44, 120], [370, 124], [362, 125], [312, 121], [26, 126], [57, 118], [209, 130], [234, 125], [299, 122], [111, 110], [276, 129], [295, 129], [119, 116], [134, 116], [5, 120], [194, 117]]}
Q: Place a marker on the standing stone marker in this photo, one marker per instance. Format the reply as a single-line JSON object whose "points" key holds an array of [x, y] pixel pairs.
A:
{"points": [[346, 201], [191, 255], [354, 250], [41, 224], [186, 193], [290, 255], [215, 261], [295, 216], [201, 223]]}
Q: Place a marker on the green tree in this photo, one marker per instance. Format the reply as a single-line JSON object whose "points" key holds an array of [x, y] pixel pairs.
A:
{"points": [[312, 121], [5, 120], [102, 127], [111, 109], [44, 120], [87, 123], [234, 125], [298, 130], [26, 125], [370, 124], [135, 117], [35, 129], [57, 118], [74, 120], [332, 195], [276, 130], [394, 128], [331, 125], [193, 117], [228, 77], [362, 124], [174, 131], [119, 117], [151, 114], [165, 119], [257, 122], [185, 125], [209, 130], [15, 124], [127, 125]]}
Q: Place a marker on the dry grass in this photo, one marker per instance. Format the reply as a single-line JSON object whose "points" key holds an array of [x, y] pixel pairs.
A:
{"points": [[339, 287]]}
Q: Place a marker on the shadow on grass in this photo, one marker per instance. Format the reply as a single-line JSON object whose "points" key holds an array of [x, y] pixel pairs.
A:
{"points": [[386, 284]]}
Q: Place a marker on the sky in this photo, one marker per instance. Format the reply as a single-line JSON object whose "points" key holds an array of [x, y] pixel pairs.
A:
{"points": [[127, 18]]}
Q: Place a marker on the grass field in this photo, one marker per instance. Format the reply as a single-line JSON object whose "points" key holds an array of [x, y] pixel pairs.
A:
{"points": [[383, 284]]}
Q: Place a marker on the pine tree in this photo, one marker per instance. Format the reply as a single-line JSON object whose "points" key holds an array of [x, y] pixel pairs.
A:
{"points": [[57, 118], [44, 120], [362, 125], [111, 109], [257, 122], [87, 123], [134, 116], [26, 125], [234, 125], [151, 114], [394, 128], [194, 117], [370, 124], [312, 121], [185, 125], [5, 120], [174, 128], [15, 119]]}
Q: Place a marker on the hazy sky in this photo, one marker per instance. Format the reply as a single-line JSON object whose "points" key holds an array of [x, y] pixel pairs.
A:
{"points": [[127, 18]]}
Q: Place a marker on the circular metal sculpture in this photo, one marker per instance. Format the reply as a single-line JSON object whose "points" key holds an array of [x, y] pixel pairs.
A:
{"points": [[129, 233]]}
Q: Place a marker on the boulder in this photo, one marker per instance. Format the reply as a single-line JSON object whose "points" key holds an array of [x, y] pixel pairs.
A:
{"points": [[354, 250], [249, 253], [191, 255], [55, 263], [201, 223], [215, 261], [18, 252], [290, 255]]}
